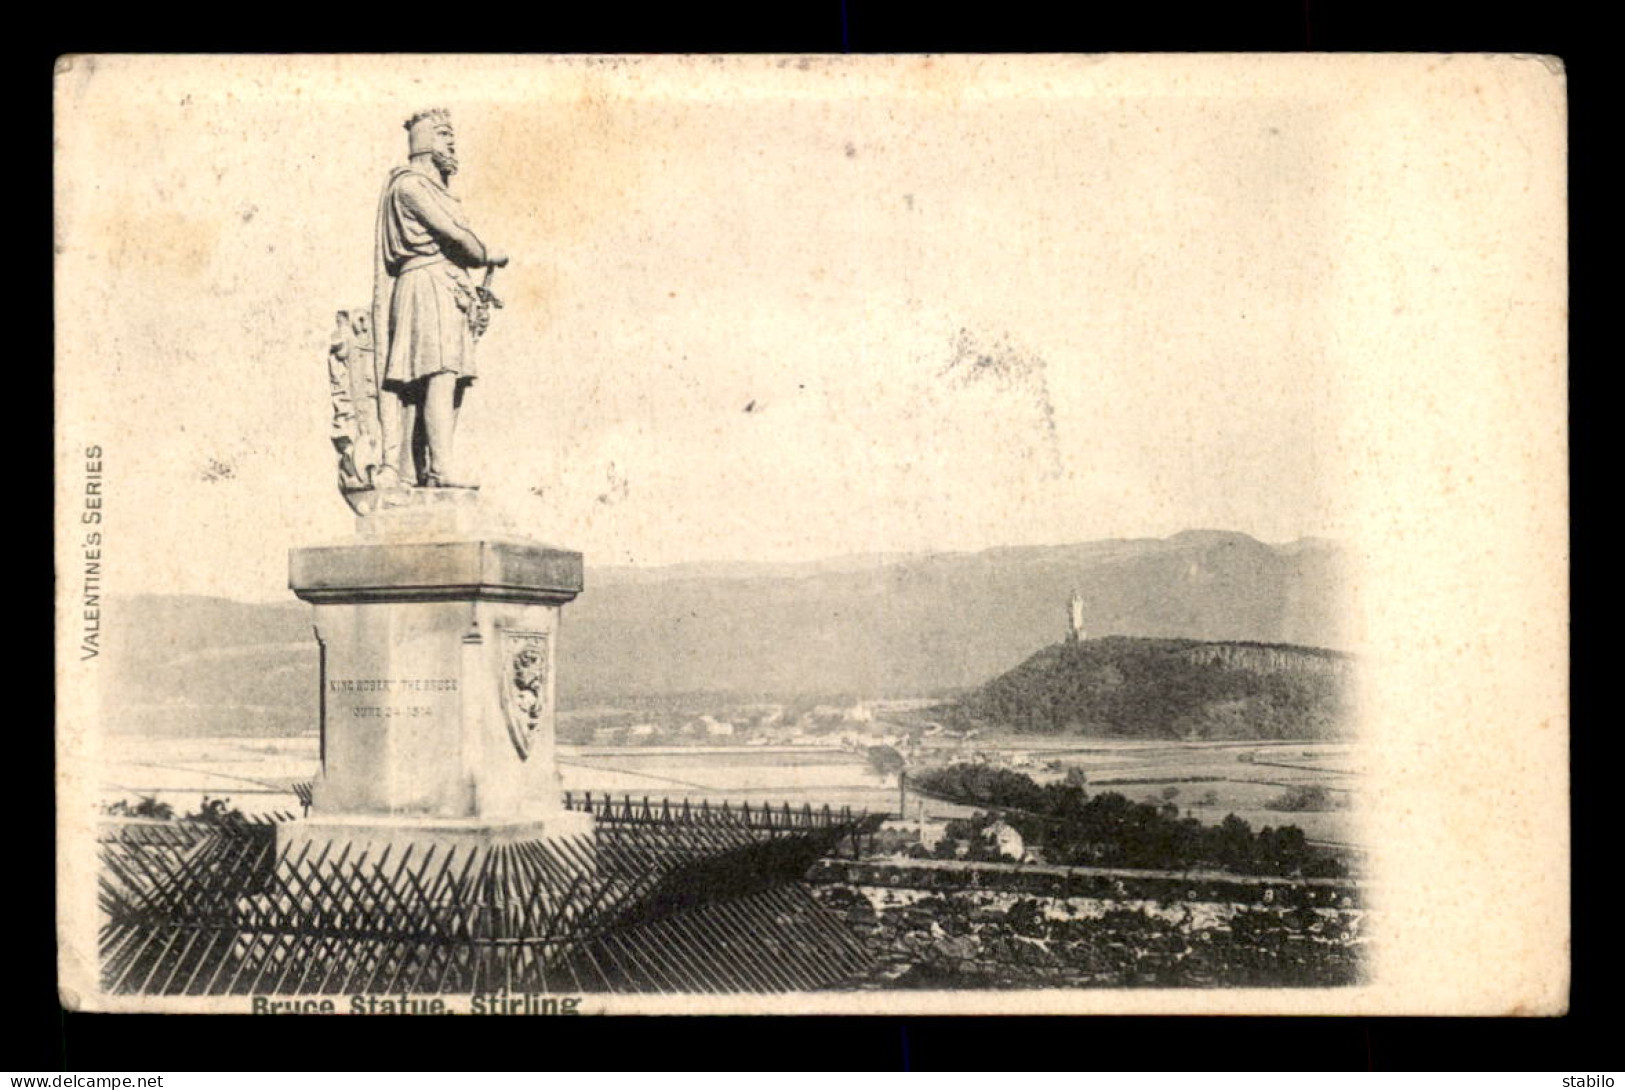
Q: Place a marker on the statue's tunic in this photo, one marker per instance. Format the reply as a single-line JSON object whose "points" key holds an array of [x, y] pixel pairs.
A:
{"points": [[423, 293]]}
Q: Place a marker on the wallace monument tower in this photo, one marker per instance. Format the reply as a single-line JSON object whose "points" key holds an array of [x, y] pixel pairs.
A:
{"points": [[437, 622]]}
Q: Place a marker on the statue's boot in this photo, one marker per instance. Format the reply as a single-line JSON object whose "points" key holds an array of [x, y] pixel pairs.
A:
{"points": [[435, 480], [386, 477]]}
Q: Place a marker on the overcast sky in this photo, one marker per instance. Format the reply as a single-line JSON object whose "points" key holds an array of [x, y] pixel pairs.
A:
{"points": [[907, 308]]}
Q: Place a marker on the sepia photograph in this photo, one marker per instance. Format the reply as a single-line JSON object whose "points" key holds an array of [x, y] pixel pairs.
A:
{"points": [[810, 534]]}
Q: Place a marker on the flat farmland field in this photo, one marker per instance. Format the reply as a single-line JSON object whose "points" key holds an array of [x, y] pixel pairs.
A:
{"points": [[1205, 782], [736, 774], [1210, 781], [257, 775]]}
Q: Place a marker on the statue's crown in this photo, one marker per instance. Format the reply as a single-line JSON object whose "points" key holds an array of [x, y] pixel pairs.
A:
{"points": [[420, 128], [431, 118]]}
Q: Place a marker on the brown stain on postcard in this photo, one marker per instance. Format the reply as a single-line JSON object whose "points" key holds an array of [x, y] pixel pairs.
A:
{"points": [[560, 170], [167, 243]]}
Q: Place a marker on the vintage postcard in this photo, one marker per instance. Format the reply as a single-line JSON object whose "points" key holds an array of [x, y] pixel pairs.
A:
{"points": [[808, 534]]}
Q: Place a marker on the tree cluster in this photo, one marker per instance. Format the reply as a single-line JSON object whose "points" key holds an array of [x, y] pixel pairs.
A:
{"points": [[1308, 798], [983, 784], [211, 811]]}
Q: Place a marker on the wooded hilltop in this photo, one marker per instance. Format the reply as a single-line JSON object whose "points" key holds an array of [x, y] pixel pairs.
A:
{"points": [[1190, 690]]}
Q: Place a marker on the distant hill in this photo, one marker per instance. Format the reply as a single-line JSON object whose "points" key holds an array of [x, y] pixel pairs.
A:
{"points": [[195, 665], [861, 626], [923, 624], [1161, 688]]}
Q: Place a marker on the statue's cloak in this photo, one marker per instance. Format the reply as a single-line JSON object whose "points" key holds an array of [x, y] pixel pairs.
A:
{"points": [[383, 283]]}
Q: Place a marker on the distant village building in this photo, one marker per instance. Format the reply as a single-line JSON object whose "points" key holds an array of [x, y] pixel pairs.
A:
{"points": [[1074, 618], [1007, 840], [931, 833]]}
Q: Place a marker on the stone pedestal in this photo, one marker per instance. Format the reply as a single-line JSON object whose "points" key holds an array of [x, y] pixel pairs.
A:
{"points": [[438, 629]]}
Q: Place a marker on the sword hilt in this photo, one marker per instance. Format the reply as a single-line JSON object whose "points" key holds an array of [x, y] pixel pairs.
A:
{"points": [[485, 293]]}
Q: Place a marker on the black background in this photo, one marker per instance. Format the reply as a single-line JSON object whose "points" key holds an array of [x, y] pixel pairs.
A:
{"points": [[39, 1036]]}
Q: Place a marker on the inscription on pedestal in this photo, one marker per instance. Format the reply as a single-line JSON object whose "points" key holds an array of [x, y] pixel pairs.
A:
{"points": [[390, 698]]}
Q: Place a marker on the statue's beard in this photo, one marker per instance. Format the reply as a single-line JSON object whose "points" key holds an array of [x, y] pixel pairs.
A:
{"points": [[444, 162]]}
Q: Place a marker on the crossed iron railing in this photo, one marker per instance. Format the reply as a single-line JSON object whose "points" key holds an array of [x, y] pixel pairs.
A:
{"points": [[764, 817], [659, 898]]}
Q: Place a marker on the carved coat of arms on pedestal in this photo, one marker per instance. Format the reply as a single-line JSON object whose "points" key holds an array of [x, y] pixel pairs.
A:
{"points": [[524, 685]]}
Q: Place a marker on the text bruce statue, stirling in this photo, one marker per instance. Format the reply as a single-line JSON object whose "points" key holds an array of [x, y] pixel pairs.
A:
{"points": [[527, 1003]]}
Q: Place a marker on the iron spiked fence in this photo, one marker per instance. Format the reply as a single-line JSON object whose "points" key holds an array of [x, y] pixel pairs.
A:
{"points": [[658, 898]]}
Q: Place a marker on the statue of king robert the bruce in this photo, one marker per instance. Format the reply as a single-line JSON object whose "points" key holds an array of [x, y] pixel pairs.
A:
{"points": [[427, 311]]}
